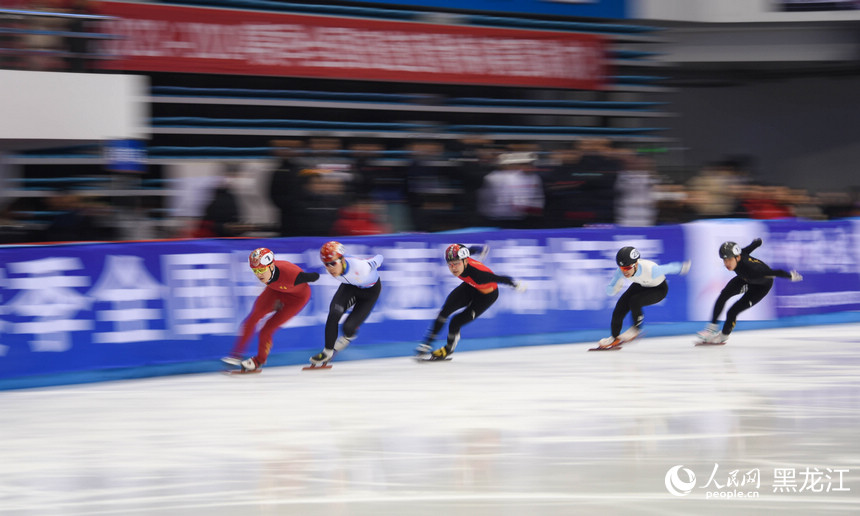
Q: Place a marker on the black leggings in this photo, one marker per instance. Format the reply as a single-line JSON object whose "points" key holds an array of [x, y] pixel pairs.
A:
{"points": [[752, 295], [633, 300], [361, 299], [464, 296]]}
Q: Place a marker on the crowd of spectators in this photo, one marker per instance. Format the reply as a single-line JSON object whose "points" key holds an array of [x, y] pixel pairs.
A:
{"points": [[321, 187]]}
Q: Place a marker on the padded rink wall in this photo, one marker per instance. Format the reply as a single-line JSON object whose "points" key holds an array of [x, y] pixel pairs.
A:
{"points": [[90, 312]]}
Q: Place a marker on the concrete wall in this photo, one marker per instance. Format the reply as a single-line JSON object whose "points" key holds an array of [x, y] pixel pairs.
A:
{"points": [[802, 132]]}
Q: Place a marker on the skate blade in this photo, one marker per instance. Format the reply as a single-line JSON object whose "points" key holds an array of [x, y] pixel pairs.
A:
{"points": [[608, 348], [428, 359], [312, 366], [699, 343], [231, 372]]}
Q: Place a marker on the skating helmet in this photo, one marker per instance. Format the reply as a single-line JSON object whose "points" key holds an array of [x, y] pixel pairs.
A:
{"points": [[729, 250], [261, 257], [331, 251], [456, 252], [627, 256]]}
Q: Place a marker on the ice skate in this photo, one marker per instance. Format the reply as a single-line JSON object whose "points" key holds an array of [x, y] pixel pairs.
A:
{"points": [[630, 335], [423, 349], [342, 342], [435, 356], [608, 343], [321, 360], [232, 361], [707, 333], [247, 366], [704, 337], [717, 339]]}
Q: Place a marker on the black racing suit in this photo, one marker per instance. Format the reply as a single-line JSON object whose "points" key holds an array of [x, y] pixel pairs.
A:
{"points": [[754, 279]]}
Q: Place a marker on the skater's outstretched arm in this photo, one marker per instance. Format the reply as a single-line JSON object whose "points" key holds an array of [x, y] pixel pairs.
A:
{"points": [[490, 277], [672, 268], [376, 261], [615, 284], [780, 273], [755, 244], [306, 277], [479, 252]]}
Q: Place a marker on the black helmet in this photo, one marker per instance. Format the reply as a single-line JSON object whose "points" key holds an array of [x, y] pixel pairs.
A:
{"points": [[729, 250], [627, 256]]}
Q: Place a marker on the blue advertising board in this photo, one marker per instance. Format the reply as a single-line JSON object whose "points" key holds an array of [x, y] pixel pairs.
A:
{"points": [[87, 307]]}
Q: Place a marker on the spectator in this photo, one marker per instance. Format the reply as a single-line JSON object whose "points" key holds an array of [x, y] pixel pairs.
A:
{"points": [[285, 188], [362, 217], [476, 158], [673, 204], [434, 189], [711, 192], [77, 220], [635, 202], [323, 195], [512, 195], [222, 218], [764, 202]]}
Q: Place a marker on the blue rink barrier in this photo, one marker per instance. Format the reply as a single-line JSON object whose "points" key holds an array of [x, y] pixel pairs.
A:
{"points": [[92, 312]]}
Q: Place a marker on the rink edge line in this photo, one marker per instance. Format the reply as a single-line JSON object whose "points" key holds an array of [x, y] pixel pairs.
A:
{"points": [[360, 351]]}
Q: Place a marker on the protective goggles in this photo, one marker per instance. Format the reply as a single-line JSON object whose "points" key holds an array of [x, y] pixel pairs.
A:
{"points": [[330, 264], [627, 267], [260, 270]]}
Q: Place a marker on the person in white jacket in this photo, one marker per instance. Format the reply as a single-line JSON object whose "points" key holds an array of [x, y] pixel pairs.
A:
{"points": [[648, 287], [359, 290]]}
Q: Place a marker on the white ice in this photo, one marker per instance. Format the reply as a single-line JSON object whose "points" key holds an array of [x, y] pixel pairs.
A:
{"points": [[551, 430]]}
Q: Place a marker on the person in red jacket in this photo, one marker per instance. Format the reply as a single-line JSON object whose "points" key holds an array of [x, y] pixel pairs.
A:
{"points": [[476, 294], [286, 293]]}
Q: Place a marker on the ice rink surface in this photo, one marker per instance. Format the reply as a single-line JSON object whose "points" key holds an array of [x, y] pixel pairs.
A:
{"points": [[551, 430]]}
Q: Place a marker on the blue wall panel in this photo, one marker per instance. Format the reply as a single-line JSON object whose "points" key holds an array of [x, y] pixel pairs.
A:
{"points": [[88, 307]]}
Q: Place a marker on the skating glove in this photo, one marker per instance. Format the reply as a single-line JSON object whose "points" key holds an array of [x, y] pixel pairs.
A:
{"points": [[795, 276], [685, 267], [520, 286]]}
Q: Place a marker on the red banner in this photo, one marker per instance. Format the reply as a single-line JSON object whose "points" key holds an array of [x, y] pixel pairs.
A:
{"points": [[204, 40]]}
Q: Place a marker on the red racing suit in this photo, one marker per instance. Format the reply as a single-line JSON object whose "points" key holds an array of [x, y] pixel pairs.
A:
{"points": [[285, 298]]}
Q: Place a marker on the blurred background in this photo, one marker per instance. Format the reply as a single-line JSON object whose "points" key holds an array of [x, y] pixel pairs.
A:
{"points": [[220, 118]]}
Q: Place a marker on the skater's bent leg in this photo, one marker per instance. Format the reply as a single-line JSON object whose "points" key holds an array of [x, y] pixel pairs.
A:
{"points": [[263, 305], [618, 318], [289, 309], [340, 303], [457, 299], [365, 301], [734, 287], [480, 303], [457, 322], [622, 307], [646, 296], [754, 294]]}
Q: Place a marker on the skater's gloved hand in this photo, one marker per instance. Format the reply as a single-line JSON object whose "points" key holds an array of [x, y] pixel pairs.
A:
{"points": [[520, 286], [795, 276], [685, 267]]}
